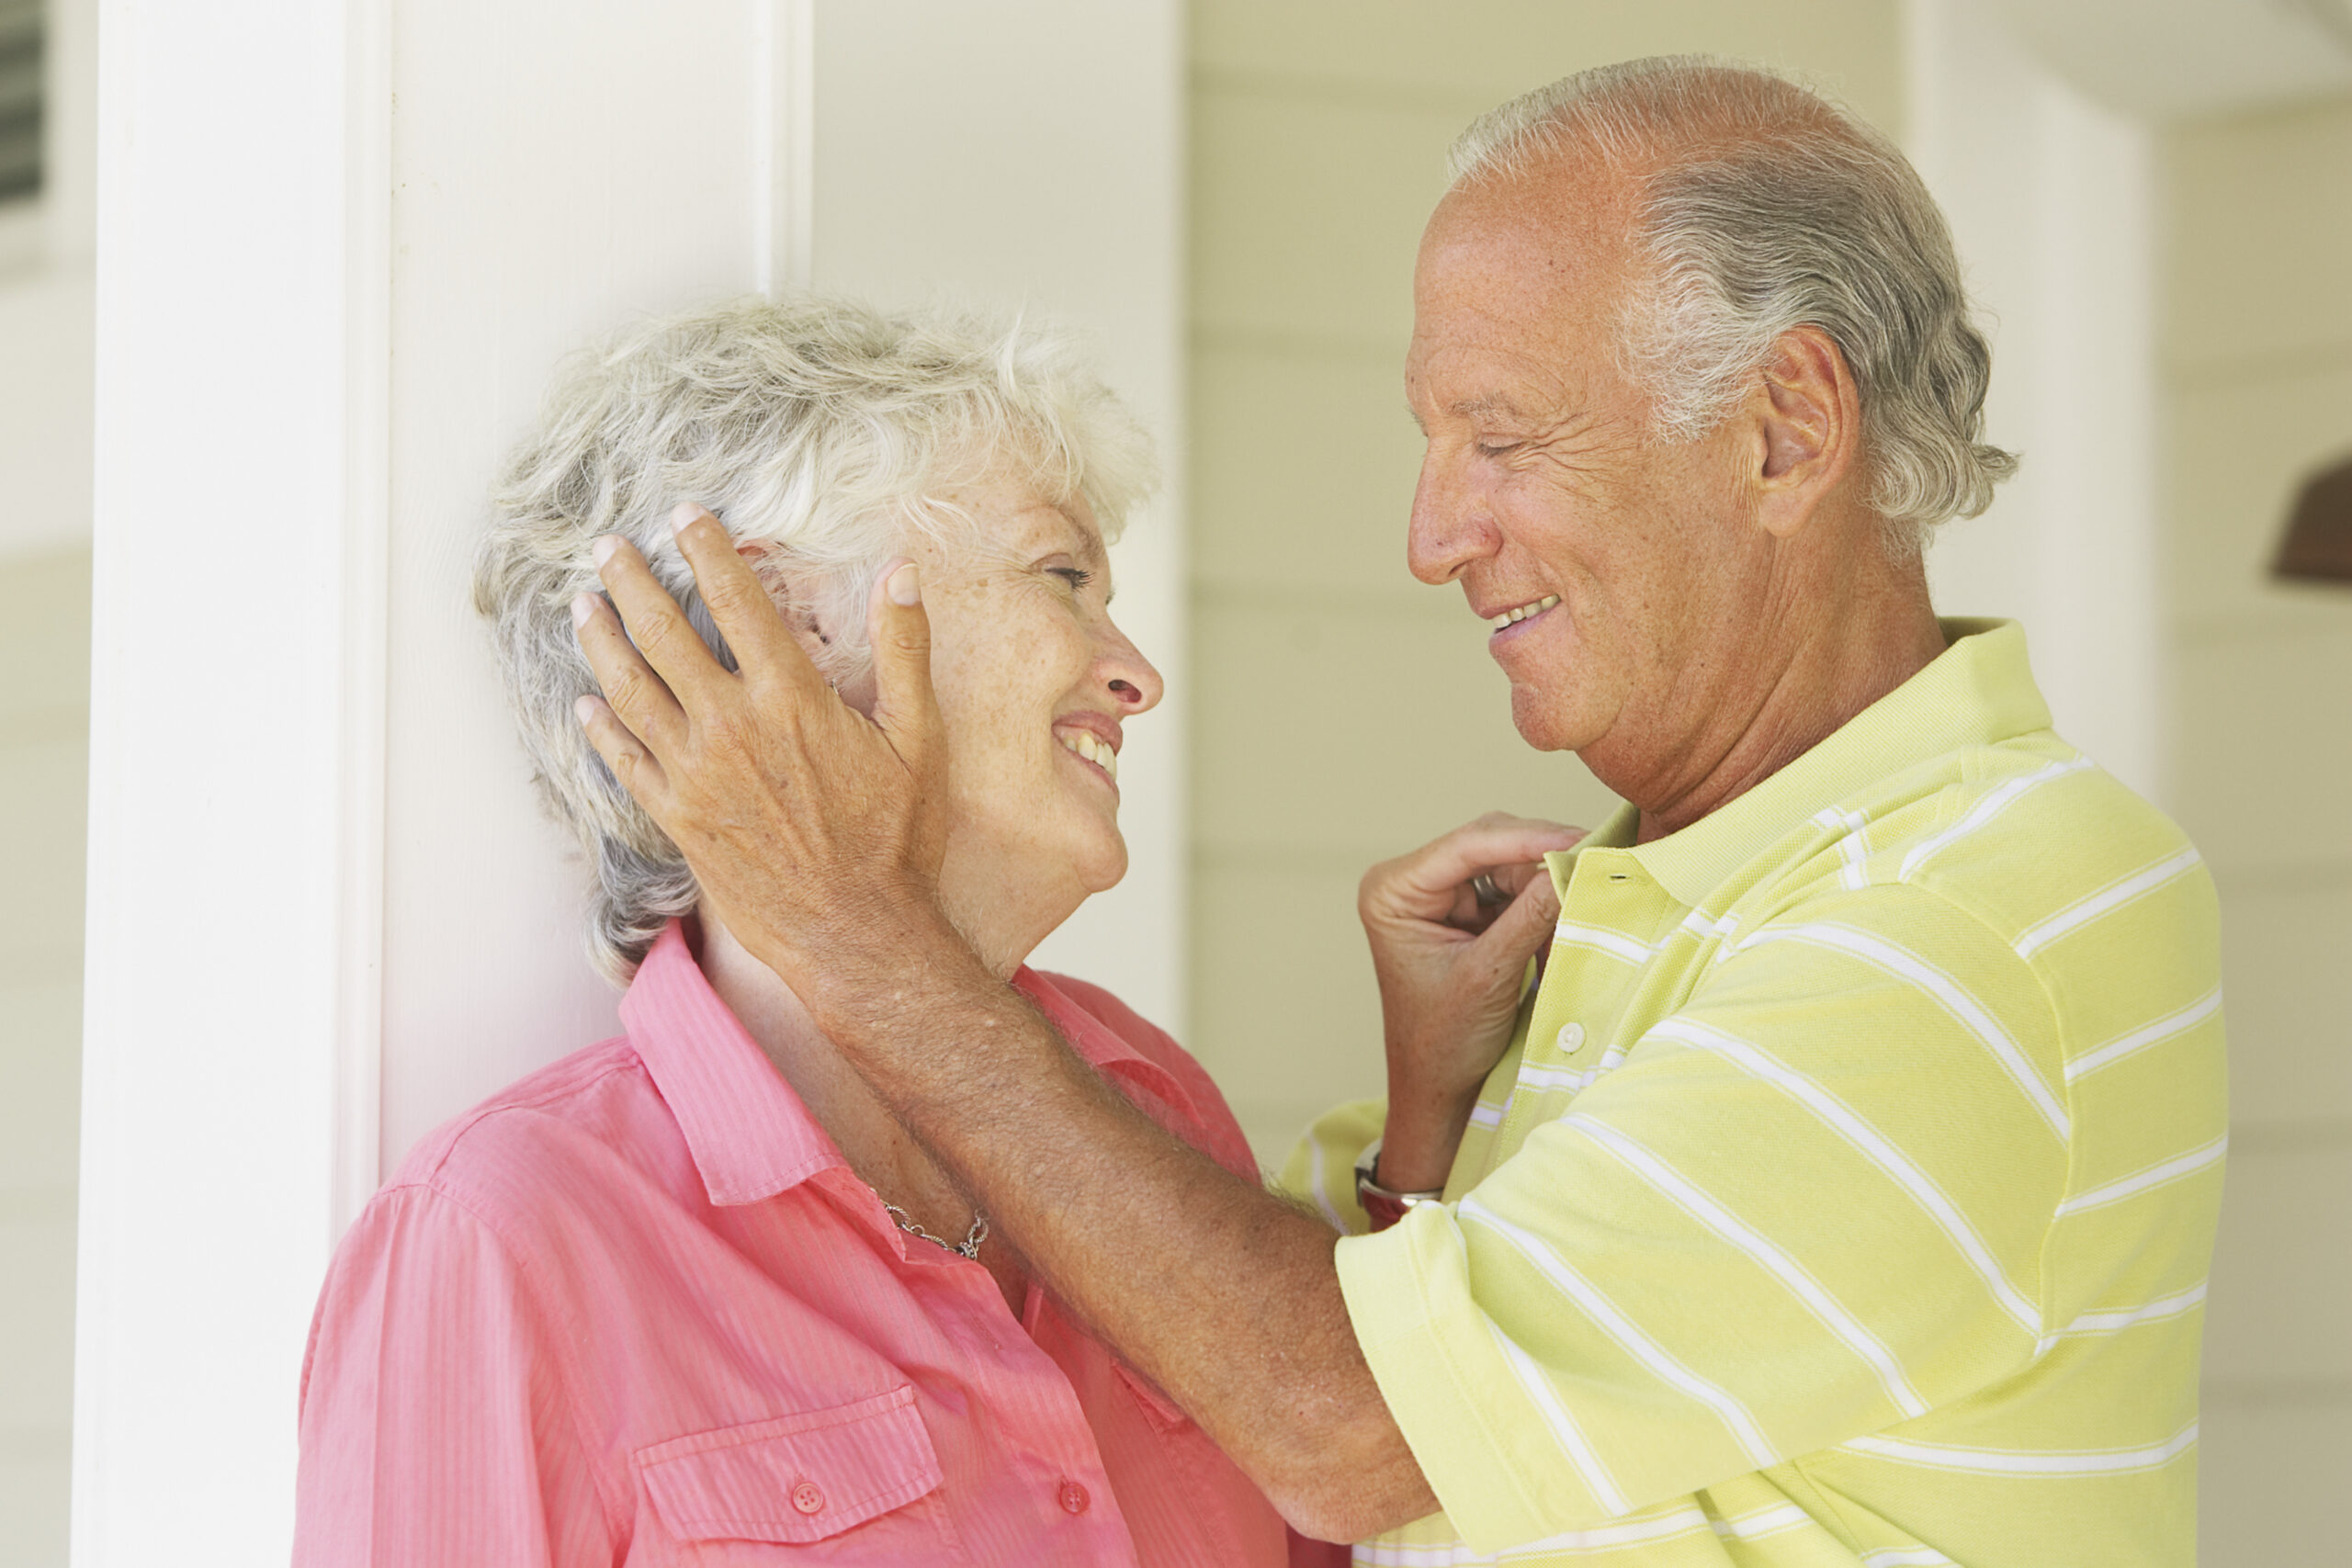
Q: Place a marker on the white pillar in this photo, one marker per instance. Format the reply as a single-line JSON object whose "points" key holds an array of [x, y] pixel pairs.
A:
{"points": [[342, 246], [239, 505], [312, 842], [2052, 203]]}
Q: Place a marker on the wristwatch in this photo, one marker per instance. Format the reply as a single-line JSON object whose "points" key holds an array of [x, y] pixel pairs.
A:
{"points": [[1384, 1207]]}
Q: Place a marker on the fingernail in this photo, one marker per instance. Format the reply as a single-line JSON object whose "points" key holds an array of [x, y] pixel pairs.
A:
{"points": [[583, 606], [906, 585], [583, 709], [605, 546], [682, 514]]}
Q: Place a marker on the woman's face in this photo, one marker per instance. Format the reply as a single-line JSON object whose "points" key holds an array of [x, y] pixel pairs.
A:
{"points": [[1034, 684]]}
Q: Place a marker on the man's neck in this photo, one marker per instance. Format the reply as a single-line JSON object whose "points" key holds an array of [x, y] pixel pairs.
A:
{"points": [[1801, 687]]}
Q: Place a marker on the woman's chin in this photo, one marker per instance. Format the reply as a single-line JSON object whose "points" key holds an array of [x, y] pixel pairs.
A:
{"points": [[1104, 866]]}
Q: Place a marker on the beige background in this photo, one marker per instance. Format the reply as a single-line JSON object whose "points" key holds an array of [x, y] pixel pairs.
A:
{"points": [[2255, 342], [1343, 712]]}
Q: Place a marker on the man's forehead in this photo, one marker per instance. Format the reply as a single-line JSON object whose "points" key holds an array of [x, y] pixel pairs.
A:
{"points": [[1514, 290]]}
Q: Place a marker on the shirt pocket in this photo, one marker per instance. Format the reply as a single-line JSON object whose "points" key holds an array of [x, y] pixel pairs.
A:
{"points": [[805, 1479]]}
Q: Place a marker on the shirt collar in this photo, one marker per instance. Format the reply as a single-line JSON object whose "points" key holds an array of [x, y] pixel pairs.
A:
{"points": [[749, 1132], [1978, 692]]}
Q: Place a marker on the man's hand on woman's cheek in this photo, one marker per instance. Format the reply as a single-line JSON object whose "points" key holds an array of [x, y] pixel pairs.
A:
{"points": [[806, 822]]}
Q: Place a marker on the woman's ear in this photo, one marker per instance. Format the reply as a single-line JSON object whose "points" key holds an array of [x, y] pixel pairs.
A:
{"points": [[767, 565], [796, 603]]}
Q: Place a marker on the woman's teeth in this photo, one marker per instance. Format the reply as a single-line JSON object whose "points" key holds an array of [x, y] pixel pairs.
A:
{"points": [[1510, 617], [1093, 751]]}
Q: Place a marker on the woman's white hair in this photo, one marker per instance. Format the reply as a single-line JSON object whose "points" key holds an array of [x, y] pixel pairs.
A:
{"points": [[820, 427], [1764, 207]]}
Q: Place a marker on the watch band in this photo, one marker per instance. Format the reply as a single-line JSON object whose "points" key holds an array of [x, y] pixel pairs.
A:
{"points": [[1381, 1205]]}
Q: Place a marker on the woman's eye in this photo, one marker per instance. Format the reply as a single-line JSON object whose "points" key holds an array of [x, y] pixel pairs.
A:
{"points": [[1076, 577]]}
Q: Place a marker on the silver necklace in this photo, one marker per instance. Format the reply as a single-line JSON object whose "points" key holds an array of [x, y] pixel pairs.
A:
{"points": [[969, 1247]]}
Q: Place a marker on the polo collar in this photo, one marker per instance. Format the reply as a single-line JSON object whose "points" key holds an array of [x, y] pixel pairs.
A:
{"points": [[1978, 692]]}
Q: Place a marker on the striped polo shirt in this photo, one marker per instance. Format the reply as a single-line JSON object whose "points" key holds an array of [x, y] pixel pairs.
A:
{"points": [[1847, 1194]]}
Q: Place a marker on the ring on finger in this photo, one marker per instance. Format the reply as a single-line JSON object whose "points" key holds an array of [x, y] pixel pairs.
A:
{"points": [[1488, 894]]}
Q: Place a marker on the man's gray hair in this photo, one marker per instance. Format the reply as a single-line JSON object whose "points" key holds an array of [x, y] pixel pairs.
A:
{"points": [[1763, 207], [823, 428]]}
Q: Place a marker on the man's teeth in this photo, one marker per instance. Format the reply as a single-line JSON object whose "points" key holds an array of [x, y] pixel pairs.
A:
{"points": [[1093, 751], [1510, 616]]}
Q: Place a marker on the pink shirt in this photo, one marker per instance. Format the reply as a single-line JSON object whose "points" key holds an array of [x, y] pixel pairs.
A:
{"points": [[638, 1309]]}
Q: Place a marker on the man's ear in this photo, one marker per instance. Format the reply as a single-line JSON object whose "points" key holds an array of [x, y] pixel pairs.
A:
{"points": [[1808, 417]]}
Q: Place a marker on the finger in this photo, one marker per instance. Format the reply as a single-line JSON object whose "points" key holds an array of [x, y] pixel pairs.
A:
{"points": [[1428, 881], [642, 700], [906, 705], [639, 771], [657, 625], [1521, 928], [739, 606]]}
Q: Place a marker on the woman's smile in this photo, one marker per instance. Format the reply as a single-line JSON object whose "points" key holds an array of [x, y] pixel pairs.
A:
{"points": [[1093, 738]]}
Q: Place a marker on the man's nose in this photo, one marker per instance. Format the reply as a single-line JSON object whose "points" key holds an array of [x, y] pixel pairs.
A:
{"points": [[1452, 524]]}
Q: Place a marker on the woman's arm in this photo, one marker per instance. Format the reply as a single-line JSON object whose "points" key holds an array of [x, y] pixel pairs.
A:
{"points": [[431, 1429]]}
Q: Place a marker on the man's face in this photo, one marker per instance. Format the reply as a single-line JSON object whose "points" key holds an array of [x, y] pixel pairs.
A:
{"points": [[1541, 484]]}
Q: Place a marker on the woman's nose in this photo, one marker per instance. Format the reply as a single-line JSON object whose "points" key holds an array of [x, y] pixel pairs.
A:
{"points": [[1131, 678]]}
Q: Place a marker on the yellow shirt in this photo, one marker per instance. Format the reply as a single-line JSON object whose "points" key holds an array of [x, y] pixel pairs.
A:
{"points": [[1847, 1193]]}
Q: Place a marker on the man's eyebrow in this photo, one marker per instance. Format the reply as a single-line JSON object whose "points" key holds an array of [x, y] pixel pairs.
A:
{"points": [[1489, 403]]}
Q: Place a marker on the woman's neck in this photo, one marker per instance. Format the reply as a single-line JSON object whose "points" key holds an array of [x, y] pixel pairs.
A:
{"points": [[879, 1150], [876, 1148]]}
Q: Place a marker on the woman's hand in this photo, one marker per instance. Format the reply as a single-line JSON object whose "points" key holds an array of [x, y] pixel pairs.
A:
{"points": [[1451, 971], [814, 832]]}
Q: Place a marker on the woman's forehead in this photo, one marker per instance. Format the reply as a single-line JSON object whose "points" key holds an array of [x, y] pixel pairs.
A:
{"points": [[1019, 518]]}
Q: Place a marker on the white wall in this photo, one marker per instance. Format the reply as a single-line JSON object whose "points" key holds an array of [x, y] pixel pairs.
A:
{"points": [[1031, 151], [2051, 200]]}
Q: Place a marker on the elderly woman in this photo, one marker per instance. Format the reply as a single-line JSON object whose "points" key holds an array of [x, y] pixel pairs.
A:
{"points": [[692, 1294]]}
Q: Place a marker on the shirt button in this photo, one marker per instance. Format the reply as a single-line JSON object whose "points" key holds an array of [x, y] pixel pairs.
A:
{"points": [[1571, 1036], [808, 1498], [1073, 1497]]}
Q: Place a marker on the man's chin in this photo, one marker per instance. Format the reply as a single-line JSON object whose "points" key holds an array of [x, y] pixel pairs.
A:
{"points": [[1547, 723]]}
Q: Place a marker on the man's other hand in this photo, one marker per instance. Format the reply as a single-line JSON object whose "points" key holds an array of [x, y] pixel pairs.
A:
{"points": [[1451, 972]]}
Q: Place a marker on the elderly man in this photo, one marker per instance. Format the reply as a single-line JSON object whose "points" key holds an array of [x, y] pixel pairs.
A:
{"points": [[1842, 1189]]}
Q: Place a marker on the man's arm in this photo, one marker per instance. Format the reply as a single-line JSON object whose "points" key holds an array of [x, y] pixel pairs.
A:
{"points": [[814, 835]]}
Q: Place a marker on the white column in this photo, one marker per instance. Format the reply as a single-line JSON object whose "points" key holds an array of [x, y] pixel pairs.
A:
{"points": [[313, 847], [2052, 204], [234, 682]]}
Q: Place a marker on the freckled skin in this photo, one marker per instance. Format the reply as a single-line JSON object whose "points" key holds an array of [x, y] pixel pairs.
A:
{"points": [[1014, 647]]}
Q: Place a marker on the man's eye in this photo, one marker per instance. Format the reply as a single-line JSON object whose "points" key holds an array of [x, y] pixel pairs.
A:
{"points": [[1497, 448]]}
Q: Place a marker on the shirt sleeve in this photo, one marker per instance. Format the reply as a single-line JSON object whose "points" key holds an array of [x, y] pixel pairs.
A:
{"points": [[1321, 1170], [433, 1428], [1809, 1206]]}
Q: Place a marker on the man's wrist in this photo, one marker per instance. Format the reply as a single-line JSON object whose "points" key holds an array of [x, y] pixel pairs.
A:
{"points": [[1422, 1136], [899, 954]]}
